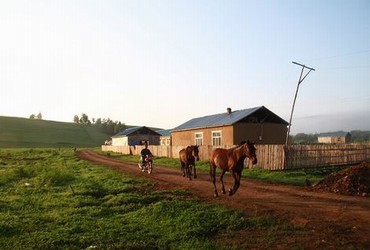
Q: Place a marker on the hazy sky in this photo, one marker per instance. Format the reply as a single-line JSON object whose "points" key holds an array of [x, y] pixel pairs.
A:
{"points": [[162, 62]]}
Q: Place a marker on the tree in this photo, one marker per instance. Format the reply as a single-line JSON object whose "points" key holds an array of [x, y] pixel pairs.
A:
{"points": [[98, 122], [76, 119], [39, 116], [85, 119], [32, 116]]}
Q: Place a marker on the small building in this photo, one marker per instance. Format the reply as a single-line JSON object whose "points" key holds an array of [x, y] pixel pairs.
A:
{"points": [[339, 137], [232, 127], [165, 139], [136, 136]]}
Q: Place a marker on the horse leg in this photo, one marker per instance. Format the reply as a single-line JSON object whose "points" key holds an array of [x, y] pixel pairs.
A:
{"points": [[188, 174], [195, 172], [236, 183], [183, 169], [213, 177], [222, 181]]}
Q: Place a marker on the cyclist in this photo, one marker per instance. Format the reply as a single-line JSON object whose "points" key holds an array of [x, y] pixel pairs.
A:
{"points": [[145, 151]]}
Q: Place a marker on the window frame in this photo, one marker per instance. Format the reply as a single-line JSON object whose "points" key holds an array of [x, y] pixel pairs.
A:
{"points": [[216, 138], [198, 138]]}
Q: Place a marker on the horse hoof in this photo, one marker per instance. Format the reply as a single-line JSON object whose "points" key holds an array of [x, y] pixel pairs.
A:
{"points": [[215, 195], [223, 192]]}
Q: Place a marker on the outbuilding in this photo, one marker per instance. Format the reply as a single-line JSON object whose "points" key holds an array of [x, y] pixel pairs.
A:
{"points": [[136, 136], [257, 124], [339, 137], [165, 139]]}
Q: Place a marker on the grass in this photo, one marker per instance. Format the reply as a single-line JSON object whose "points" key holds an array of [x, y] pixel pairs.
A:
{"points": [[28, 133], [290, 177], [49, 199]]}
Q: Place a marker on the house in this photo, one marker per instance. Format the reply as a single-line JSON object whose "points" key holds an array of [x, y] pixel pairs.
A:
{"points": [[231, 127], [339, 137], [165, 139], [136, 136]]}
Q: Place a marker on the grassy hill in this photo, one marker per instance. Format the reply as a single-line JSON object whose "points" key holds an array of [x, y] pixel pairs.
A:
{"points": [[27, 133]]}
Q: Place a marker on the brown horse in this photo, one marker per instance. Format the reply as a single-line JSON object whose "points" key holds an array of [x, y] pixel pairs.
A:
{"points": [[231, 160], [187, 159]]}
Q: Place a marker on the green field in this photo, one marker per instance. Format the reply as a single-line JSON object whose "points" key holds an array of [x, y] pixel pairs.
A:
{"points": [[49, 199], [31, 133]]}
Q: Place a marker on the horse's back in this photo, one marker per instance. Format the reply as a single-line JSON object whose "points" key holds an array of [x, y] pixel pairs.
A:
{"points": [[219, 157]]}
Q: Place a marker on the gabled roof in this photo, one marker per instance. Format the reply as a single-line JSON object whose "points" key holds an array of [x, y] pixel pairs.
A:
{"points": [[164, 132], [257, 114], [331, 134], [133, 130]]}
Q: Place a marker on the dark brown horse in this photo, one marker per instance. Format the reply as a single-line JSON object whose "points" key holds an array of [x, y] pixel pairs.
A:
{"points": [[231, 160], [187, 159]]}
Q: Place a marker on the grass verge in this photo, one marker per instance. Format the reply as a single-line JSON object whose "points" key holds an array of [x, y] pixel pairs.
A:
{"points": [[49, 199]]}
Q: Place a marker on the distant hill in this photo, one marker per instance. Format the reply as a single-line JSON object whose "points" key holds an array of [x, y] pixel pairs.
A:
{"points": [[29, 133]]}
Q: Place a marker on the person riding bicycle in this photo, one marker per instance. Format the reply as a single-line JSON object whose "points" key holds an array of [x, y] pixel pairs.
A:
{"points": [[144, 152]]}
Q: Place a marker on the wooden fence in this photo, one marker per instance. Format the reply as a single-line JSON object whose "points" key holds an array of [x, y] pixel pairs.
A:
{"points": [[274, 157]]}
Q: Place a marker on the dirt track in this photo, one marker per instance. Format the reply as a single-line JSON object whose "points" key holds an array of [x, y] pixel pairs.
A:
{"points": [[327, 216]]}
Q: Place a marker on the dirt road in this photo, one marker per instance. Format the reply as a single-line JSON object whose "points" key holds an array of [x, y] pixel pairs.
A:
{"points": [[327, 216]]}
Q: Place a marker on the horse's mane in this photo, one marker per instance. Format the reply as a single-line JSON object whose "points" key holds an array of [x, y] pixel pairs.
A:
{"points": [[231, 150]]}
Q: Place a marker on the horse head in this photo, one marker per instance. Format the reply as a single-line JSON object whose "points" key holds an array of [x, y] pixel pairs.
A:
{"points": [[250, 151]]}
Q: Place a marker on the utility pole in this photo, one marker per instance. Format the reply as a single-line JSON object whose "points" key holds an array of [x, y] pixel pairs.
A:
{"points": [[295, 97]]}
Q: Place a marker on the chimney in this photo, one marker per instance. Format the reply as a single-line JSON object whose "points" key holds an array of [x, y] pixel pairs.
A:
{"points": [[228, 110]]}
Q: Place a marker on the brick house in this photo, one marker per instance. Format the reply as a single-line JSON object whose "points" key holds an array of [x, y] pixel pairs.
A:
{"points": [[231, 127]]}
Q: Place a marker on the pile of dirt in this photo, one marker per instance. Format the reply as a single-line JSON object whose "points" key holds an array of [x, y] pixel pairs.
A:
{"points": [[351, 181]]}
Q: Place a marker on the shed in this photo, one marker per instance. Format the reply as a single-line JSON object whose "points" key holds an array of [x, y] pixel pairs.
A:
{"points": [[339, 137], [136, 136], [257, 124], [165, 139]]}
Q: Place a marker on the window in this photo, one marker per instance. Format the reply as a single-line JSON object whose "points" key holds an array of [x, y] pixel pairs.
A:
{"points": [[216, 138], [198, 139]]}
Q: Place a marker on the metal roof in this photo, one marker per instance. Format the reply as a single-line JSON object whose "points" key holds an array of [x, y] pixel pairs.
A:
{"points": [[337, 133], [164, 132], [221, 119], [129, 131]]}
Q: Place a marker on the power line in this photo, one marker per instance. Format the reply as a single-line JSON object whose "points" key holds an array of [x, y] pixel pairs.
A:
{"points": [[346, 67], [341, 55]]}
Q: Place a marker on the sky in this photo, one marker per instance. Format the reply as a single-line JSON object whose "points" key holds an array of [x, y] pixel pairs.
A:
{"points": [[160, 63]]}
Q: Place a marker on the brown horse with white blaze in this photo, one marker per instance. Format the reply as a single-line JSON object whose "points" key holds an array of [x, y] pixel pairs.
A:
{"points": [[187, 157], [231, 160]]}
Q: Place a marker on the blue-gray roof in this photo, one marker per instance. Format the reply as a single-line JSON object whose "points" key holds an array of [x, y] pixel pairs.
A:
{"points": [[127, 131], [225, 118], [164, 132], [337, 133], [132, 130]]}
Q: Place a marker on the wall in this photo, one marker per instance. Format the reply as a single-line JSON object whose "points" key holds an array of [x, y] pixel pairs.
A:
{"points": [[333, 139], [326, 139], [120, 141], [134, 139], [188, 137], [261, 133], [265, 133]]}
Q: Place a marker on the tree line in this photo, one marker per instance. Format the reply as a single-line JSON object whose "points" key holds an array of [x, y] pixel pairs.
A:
{"points": [[104, 125]]}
